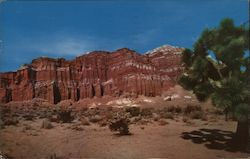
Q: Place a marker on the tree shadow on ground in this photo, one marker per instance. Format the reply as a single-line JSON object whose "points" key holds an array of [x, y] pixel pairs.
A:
{"points": [[212, 139], [120, 135]]}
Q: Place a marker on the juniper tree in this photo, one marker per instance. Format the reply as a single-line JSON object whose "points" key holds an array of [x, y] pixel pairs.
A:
{"points": [[218, 67]]}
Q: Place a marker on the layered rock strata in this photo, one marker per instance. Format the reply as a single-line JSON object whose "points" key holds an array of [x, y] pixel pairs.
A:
{"points": [[96, 74]]}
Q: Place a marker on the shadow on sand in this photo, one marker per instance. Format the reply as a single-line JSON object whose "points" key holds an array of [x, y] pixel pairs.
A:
{"points": [[120, 135], [212, 139]]}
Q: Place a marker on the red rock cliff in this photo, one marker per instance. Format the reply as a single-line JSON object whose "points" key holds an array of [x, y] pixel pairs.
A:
{"points": [[99, 73]]}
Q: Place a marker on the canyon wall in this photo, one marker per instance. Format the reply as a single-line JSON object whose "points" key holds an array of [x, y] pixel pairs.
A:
{"points": [[123, 72]]}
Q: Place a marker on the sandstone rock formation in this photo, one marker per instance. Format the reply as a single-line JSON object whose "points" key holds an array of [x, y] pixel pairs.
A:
{"points": [[99, 73]]}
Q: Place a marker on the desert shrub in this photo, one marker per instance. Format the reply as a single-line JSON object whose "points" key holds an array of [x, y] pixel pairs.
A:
{"points": [[45, 114], [93, 111], [146, 112], [196, 115], [65, 115], [95, 118], [28, 116], [167, 115], [174, 109], [5, 110], [120, 125], [11, 121], [191, 108], [178, 109], [108, 115], [134, 111], [46, 124]]}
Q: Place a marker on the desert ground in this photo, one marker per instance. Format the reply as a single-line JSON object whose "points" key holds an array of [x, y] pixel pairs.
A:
{"points": [[180, 128], [201, 140]]}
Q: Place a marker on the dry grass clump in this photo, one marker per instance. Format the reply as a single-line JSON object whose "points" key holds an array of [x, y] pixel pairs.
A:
{"points": [[191, 108], [120, 122], [196, 115], [174, 109], [64, 115], [147, 112], [167, 115], [195, 112], [133, 111], [120, 125], [11, 121]]}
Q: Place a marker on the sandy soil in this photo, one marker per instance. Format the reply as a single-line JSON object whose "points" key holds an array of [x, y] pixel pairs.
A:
{"points": [[176, 140], [196, 139]]}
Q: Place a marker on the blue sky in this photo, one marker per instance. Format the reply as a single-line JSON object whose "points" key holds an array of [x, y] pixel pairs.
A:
{"points": [[30, 29]]}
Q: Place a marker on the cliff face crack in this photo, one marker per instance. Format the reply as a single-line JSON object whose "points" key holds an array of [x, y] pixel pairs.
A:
{"points": [[56, 94], [97, 74]]}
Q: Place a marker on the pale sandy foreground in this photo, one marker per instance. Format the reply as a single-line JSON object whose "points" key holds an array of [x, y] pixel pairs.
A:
{"points": [[176, 140]]}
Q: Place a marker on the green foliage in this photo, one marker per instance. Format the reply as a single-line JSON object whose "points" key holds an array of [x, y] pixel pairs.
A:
{"points": [[186, 57], [221, 77], [242, 111]]}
